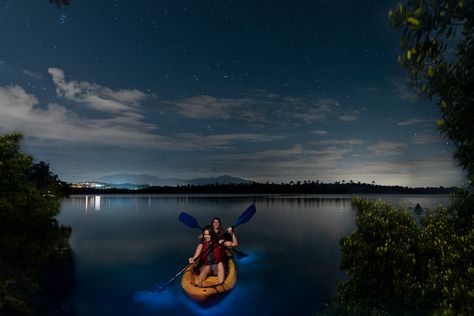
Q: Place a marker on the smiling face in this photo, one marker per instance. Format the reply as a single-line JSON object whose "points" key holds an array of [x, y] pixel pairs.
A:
{"points": [[207, 235]]}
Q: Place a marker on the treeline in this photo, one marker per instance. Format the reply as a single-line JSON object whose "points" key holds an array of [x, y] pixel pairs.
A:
{"points": [[36, 261], [271, 188], [396, 265]]}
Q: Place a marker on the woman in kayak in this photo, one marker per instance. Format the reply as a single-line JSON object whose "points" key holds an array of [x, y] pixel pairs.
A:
{"points": [[211, 255], [217, 233]]}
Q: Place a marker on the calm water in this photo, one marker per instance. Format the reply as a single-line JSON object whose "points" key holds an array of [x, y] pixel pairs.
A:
{"points": [[125, 244]]}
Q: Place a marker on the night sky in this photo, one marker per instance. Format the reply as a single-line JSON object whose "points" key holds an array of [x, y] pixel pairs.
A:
{"points": [[264, 90]]}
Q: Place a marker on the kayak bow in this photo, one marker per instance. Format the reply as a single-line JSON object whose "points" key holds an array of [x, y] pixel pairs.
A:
{"points": [[211, 291]]}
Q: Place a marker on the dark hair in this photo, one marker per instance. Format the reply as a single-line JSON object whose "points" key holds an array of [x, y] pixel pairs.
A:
{"points": [[209, 228], [220, 232]]}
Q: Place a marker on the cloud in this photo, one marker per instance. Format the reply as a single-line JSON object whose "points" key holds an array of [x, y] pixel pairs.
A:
{"points": [[15, 101], [127, 129], [382, 149], [369, 89], [269, 154], [205, 107], [55, 122], [261, 108], [335, 151], [95, 96], [211, 107], [32, 74], [435, 171], [403, 90], [423, 139], [413, 121], [221, 141], [330, 165], [311, 111], [353, 141], [320, 132], [348, 117], [281, 164]]}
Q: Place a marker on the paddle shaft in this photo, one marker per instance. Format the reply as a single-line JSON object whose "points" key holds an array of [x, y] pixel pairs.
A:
{"points": [[211, 248], [192, 222], [162, 287]]}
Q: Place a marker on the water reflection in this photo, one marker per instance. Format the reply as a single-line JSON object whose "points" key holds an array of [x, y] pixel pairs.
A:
{"points": [[36, 270], [94, 202], [124, 244], [90, 202]]}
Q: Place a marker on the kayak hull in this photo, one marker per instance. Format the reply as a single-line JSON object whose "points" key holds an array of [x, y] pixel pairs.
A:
{"points": [[211, 292]]}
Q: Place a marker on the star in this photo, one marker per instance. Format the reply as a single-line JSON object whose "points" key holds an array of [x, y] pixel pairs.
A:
{"points": [[62, 19]]}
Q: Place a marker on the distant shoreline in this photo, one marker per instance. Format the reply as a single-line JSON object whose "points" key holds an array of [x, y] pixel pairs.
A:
{"points": [[267, 188]]}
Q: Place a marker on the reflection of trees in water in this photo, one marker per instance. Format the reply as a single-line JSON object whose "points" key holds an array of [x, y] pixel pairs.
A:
{"points": [[36, 270]]}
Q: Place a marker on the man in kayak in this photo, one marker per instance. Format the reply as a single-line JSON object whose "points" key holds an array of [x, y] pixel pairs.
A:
{"points": [[211, 255]]}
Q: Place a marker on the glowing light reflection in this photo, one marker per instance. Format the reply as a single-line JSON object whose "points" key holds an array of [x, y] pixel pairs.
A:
{"points": [[156, 300], [244, 291], [97, 202], [92, 202]]}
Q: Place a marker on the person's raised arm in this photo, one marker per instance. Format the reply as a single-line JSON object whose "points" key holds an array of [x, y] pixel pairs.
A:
{"points": [[234, 242], [197, 253]]}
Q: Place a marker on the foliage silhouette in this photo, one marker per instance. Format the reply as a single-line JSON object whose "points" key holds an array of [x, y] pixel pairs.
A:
{"points": [[437, 52], [36, 266], [394, 266]]}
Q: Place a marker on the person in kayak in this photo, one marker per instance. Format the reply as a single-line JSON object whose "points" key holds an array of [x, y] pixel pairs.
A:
{"points": [[211, 254], [217, 232]]}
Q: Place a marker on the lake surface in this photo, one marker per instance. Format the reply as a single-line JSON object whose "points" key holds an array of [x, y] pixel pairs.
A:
{"points": [[124, 244]]}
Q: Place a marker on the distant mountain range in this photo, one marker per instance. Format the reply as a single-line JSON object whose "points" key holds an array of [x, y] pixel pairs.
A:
{"points": [[125, 180]]}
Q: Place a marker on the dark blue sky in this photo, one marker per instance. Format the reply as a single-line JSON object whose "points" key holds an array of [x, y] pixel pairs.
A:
{"points": [[265, 90]]}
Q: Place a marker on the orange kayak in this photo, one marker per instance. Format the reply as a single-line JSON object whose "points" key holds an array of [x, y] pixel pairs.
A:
{"points": [[211, 291]]}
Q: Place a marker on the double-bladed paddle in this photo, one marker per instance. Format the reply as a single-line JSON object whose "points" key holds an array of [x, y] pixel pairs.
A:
{"points": [[246, 215], [190, 221], [193, 223]]}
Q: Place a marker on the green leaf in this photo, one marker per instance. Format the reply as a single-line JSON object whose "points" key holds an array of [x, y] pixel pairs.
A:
{"points": [[413, 21], [440, 122], [430, 72]]}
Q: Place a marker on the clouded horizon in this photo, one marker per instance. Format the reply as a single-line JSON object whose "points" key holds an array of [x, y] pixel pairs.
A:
{"points": [[271, 91]]}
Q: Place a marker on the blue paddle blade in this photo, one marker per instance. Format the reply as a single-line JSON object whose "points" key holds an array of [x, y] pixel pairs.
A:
{"points": [[245, 216], [188, 220]]}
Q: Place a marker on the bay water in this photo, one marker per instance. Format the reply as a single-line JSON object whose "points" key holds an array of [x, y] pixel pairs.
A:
{"points": [[125, 244]]}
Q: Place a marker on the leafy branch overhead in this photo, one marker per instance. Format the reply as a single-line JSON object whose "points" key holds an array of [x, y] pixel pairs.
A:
{"points": [[437, 51], [396, 266]]}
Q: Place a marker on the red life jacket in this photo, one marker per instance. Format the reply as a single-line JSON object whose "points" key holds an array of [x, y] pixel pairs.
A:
{"points": [[211, 257]]}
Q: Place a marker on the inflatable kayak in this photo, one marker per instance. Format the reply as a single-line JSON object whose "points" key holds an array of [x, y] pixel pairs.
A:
{"points": [[211, 291]]}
